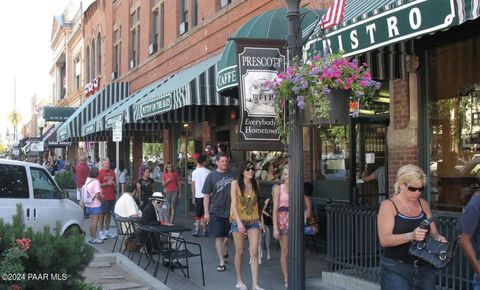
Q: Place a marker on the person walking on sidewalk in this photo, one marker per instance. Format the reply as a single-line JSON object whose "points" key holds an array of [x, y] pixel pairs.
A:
{"points": [[145, 187], [470, 237], [107, 182], [81, 174], [281, 197], [198, 180], [171, 186], [217, 205], [398, 225], [121, 173], [245, 219], [92, 188]]}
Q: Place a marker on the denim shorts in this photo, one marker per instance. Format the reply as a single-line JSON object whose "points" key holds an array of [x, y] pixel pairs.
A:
{"points": [[399, 275], [93, 210], [254, 225], [476, 282]]}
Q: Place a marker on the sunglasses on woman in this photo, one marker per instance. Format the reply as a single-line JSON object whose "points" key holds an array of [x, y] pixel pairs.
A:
{"points": [[250, 168], [414, 189]]}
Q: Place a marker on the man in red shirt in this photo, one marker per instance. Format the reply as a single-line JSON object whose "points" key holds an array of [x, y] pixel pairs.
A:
{"points": [[107, 182], [81, 173]]}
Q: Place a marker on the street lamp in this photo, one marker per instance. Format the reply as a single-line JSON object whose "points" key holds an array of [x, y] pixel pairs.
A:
{"points": [[41, 125], [296, 241]]}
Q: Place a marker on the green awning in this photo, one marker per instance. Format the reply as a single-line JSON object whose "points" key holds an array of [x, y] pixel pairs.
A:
{"points": [[270, 25], [93, 106], [124, 112], [57, 114], [97, 124], [369, 25], [191, 87]]}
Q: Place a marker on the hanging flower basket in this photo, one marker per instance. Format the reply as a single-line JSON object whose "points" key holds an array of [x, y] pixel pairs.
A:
{"points": [[329, 88]]}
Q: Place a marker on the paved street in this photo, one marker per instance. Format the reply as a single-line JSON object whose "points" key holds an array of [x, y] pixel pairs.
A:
{"points": [[269, 273]]}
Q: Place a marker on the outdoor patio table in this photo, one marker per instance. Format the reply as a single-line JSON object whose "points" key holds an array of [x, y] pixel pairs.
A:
{"points": [[166, 231]]}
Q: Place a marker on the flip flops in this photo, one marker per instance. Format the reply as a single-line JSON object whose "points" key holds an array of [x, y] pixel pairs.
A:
{"points": [[221, 268]]}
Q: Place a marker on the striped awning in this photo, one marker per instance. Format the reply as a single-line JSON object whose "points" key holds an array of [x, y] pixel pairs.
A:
{"points": [[368, 25], [97, 124], [93, 106], [124, 113], [192, 87]]}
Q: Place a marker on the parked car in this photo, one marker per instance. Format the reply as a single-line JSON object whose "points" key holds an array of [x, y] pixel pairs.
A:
{"points": [[43, 202]]}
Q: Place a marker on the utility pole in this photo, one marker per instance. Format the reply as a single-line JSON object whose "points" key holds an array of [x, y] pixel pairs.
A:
{"points": [[15, 108], [296, 238]]}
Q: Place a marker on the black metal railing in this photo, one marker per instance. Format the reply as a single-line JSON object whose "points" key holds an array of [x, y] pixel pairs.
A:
{"points": [[353, 247]]}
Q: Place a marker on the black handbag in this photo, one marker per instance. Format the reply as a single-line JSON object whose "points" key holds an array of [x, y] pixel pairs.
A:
{"points": [[433, 252]]}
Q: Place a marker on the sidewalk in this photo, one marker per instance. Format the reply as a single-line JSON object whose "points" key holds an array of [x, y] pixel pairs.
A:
{"points": [[270, 276]]}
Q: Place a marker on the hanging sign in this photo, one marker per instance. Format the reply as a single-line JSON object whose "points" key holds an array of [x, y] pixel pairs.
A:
{"points": [[259, 61]]}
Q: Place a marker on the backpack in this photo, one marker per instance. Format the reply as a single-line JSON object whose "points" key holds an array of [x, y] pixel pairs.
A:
{"points": [[86, 198]]}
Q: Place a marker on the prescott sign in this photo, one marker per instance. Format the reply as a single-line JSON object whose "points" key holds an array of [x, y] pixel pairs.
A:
{"points": [[390, 26]]}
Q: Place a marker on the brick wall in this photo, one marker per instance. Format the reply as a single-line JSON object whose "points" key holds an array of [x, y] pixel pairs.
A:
{"points": [[402, 133], [400, 105]]}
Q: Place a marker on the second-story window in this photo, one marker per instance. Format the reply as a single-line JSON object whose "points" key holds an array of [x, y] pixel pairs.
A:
{"points": [[99, 54], [77, 72], [135, 38], [87, 61], [183, 17], [194, 13], [161, 30], [117, 53], [155, 25], [92, 67]]}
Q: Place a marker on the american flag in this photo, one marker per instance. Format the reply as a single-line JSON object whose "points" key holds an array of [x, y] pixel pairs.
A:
{"points": [[334, 14]]}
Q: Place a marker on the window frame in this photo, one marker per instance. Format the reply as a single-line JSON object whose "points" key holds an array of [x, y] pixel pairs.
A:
{"points": [[134, 38], [21, 178], [117, 50], [77, 72]]}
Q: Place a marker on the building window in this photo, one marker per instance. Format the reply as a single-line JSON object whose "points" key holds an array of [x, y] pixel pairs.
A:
{"points": [[87, 61], [453, 123], [154, 34], [116, 52], [99, 54], [224, 3], [161, 31], [77, 72], [135, 38], [194, 13], [183, 28], [92, 72]]}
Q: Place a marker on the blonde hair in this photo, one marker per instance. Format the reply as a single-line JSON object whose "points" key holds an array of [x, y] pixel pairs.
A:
{"points": [[283, 170], [409, 174]]}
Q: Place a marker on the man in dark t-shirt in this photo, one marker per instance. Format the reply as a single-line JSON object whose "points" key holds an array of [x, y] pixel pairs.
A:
{"points": [[470, 238], [217, 205]]}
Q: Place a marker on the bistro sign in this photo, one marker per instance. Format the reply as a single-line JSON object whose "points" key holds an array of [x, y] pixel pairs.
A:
{"points": [[390, 26], [259, 61]]}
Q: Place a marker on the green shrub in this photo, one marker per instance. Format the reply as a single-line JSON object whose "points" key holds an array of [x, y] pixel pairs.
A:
{"points": [[49, 253], [65, 180]]}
